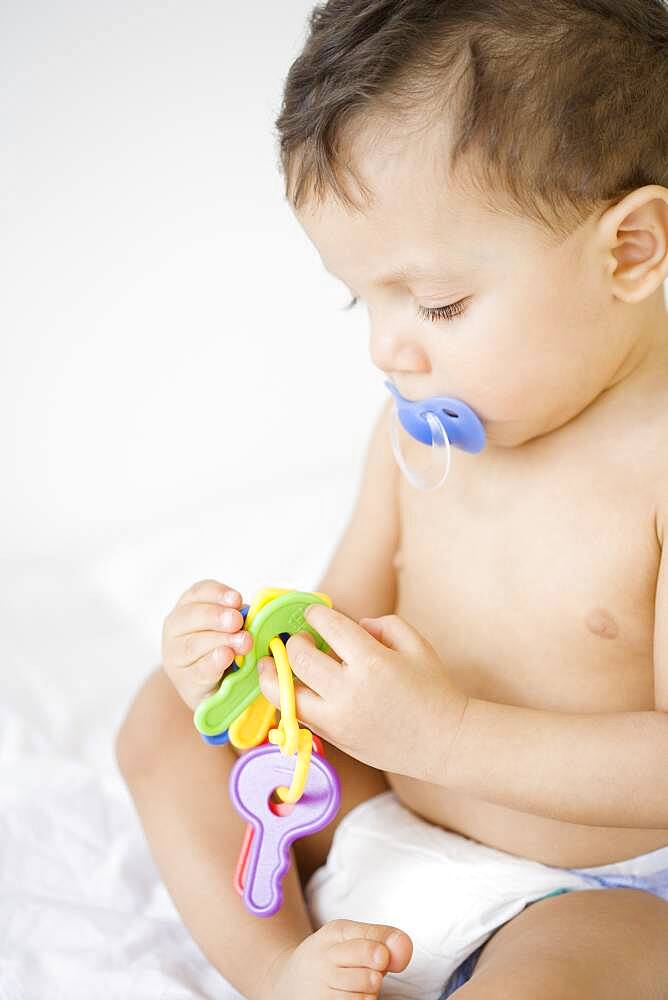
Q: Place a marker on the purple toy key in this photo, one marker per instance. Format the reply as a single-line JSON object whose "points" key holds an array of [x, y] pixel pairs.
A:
{"points": [[254, 777]]}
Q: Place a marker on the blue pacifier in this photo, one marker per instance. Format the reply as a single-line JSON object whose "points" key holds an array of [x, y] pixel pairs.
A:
{"points": [[437, 421]]}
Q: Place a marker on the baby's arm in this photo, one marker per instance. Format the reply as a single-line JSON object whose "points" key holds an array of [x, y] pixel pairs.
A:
{"points": [[361, 578], [180, 784]]}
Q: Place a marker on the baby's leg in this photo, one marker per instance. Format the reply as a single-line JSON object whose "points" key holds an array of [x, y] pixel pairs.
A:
{"points": [[180, 789]]}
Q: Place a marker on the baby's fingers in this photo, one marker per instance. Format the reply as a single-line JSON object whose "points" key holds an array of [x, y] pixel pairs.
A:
{"points": [[202, 677], [183, 651], [186, 618], [211, 590]]}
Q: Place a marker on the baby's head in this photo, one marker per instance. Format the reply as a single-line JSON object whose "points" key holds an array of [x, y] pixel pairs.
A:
{"points": [[491, 178]]}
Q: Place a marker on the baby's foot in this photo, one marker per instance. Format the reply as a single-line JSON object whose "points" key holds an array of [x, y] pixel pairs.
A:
{"points": [[344, 960]]}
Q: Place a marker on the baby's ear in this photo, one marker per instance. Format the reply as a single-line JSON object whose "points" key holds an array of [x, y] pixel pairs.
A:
{"points": [[635, 239]]}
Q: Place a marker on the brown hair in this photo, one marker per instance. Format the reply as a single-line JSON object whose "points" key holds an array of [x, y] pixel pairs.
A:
{"points": [[562, 104]]}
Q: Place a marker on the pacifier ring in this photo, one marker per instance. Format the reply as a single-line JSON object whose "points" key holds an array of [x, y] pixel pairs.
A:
{"points": [[440, 446]]}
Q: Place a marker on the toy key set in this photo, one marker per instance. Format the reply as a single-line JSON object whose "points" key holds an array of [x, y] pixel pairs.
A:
{"points": [[280, 804], [280, 800]]}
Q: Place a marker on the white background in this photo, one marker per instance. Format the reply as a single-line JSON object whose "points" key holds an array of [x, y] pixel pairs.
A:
{"points": [[168, 333], [182, 394]]}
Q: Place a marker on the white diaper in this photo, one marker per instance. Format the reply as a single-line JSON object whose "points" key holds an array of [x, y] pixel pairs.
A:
{"points": [[448, 892]]}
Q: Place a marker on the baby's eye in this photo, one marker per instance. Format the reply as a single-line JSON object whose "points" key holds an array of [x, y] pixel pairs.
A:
{"points": [[450, 311]]}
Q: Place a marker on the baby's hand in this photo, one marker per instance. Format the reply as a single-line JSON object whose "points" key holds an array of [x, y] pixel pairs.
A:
{"points": [[389, 701], [200, 638]]}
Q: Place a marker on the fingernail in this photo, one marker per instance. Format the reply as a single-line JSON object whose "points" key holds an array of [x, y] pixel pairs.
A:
{"points": [[231, 596], [229, 618]]}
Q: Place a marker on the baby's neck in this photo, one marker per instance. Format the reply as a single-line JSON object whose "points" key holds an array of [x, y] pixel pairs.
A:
{"points": [[645, 368]]}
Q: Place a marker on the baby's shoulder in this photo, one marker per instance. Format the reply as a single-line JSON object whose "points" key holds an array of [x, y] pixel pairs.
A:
{"points": [[660, 482], [644, 449]]}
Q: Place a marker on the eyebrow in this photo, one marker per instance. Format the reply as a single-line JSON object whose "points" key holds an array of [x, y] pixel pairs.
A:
{"points": [[407, 272]]}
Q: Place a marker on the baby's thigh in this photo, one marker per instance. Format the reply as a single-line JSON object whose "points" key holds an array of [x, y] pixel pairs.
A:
{"points": [[600, 944], [158, 737], [359, 782]]}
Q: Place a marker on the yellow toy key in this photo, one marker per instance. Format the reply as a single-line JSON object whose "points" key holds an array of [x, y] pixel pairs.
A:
{"points": [[251, 727]]}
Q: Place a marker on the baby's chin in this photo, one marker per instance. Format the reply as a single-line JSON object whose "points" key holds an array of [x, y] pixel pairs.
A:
{"points": [[508, 434]]}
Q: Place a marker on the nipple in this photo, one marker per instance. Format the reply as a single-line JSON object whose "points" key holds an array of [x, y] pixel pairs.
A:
{"points": [[437, 421]]}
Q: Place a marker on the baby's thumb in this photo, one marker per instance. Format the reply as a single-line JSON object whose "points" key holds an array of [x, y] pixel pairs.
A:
{"points": [[394, 632]]}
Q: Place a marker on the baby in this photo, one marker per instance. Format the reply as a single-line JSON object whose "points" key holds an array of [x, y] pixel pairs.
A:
{"points": [[491, 179]]}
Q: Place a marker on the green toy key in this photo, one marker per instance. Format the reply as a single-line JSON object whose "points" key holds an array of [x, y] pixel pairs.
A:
{"points": [[238, 689]]}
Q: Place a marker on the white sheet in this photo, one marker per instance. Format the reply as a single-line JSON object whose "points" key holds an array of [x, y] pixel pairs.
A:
{"points": [[83, 913]]}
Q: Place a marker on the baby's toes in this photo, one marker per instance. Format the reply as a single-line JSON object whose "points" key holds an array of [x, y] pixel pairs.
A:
{"points": [[400, 948], [358, 982], [374, 946], [355, 953]]}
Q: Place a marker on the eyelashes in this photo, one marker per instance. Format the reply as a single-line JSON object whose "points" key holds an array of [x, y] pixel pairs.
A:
{"points": [[442, 312], [447, 312]]}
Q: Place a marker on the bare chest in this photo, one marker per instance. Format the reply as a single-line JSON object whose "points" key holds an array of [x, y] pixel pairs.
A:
{"points": [[534, 578]]}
